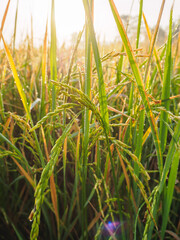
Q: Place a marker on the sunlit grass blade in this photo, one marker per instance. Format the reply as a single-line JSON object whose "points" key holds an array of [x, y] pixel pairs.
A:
{"points": [[140, 129], [120, 66], [53, 58], [139, 82], [155, 51], [102, 92], [3, 76], [152, 44], [87, 91], [147, 133], [22, 96], [4, 18], [102, 99], [131, 96], [177, 54], [15, 28], [170, 190], [153, 75], [166, 88], [139, 23], [74, 55], [43, 83], [17, 80]]}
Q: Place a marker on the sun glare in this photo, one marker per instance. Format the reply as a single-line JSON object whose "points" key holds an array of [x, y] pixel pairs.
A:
{"points": [[70, 17]]}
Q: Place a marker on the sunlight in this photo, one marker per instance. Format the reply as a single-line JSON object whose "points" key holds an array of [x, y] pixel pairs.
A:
{"points": [[70, 18]]}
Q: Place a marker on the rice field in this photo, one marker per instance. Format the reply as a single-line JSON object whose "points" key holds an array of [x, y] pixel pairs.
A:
{"points": [[90, 134]]}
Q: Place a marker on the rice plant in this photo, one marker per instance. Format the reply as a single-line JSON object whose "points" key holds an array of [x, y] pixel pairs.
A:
{"points": [[90, 146]]}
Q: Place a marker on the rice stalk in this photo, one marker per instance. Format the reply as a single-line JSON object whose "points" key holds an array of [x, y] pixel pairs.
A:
{"points": [[4, 18], [158, 64], [43, 182], [15, 28], [166, 87], [52, 184], [44, 72], [87, 92], [159, 188], [170, 189], [139, 82], [23, 97], [53, 57], [102, 99]]}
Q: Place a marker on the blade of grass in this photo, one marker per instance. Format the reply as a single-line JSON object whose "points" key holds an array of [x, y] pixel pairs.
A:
{"points": [[152, 44], [146, 80], [139, 82], [102, 99], [23, 172], [15, 27], [139, 23], [74, 55], [75, 188], [18, 83], [170, 190], [158, 190], [170, 156], [87, 91], [44, 69], [155, 51], [43, 182], [18, 234], [52, 184], [53, 55], [156, 69], [120, 62], [102, 92], [4, 18], [18, 152], [2, 110], [64, 171], [166, 87], [120, 66], [32, 38], [140, 129], [139, 144], [23, 97]]}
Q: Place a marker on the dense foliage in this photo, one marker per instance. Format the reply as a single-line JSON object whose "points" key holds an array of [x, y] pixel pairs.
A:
{"points": [[89, 136]]}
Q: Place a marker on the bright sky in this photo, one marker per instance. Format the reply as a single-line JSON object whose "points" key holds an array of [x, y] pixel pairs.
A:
{"points": [[70, 16]]}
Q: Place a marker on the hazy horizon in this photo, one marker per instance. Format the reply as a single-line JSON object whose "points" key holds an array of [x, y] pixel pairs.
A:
{"points": [[70, 17]]}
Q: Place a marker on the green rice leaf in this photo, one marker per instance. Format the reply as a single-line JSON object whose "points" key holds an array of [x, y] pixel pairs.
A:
{"points": [[139, 82], [102, 92], [166, 88], [17, 81], [169, 192], [53, 65]]}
